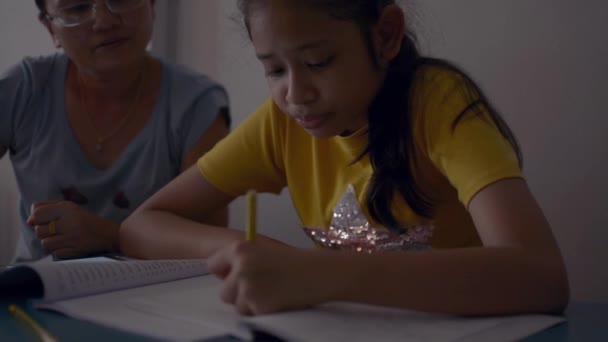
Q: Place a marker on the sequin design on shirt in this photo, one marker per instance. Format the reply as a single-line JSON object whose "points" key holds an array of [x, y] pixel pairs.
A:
{"points": [[350, 230]]}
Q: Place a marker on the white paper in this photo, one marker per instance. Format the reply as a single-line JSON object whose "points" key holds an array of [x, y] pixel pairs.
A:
{"points": [[62, 280], [191, 310], [342, 321], [113, 310]]}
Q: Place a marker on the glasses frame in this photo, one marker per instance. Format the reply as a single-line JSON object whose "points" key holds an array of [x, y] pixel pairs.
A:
{"points": [[62, 22]]}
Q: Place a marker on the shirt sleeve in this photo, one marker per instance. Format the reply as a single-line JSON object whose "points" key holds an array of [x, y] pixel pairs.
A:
{"points": [[200, 116], [195, 103], [460, 136], [251, 157], [15, 94]]}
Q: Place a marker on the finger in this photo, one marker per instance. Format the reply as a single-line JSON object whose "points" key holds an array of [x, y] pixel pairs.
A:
{"points": [[47, 230], [229, 290], [242, 303], [40, 204], [54, 243], [44, 231], [220, 263], [67, 253], [44, 212]]}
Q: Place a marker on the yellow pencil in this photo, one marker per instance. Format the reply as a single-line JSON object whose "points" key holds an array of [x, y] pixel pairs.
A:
{"points": [[28, 321], [251, 215]]}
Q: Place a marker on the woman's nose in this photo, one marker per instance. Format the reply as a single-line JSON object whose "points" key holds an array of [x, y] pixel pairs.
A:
{"points": [[103, 18]]}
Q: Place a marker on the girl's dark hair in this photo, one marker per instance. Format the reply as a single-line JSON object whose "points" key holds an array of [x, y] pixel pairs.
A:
{"points": [[391, 149]]}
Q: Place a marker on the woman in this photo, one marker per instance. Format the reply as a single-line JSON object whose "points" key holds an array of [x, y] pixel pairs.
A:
{"points": [[95, 130]]}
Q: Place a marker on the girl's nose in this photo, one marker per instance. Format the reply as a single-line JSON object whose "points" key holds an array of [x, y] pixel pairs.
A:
{"points": [[300, 90]]}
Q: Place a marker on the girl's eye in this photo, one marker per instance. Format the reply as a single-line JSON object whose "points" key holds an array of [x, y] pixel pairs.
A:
{"points": [[322, 64]]}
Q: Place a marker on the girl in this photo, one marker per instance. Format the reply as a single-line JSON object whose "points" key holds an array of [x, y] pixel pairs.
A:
{"points": [[384, 152]]}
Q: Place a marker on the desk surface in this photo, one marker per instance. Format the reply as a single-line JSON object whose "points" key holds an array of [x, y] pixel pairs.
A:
{"points": [[586, 322]]}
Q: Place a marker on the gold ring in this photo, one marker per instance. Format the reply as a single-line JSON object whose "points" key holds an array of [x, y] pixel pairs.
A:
{"points": [[53, 227]]}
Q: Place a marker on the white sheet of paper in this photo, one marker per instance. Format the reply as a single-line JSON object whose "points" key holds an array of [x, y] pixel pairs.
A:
{"points": [[190, 310], [342, 321], [114, 310]]}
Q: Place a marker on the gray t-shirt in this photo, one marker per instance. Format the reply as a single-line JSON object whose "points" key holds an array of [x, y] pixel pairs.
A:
{"points": [[49, 163]]}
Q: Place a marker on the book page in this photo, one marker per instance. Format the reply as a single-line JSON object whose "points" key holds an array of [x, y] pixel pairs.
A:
{"points": [[340, 321], [62, 280], [360, 323], [115, 310]]}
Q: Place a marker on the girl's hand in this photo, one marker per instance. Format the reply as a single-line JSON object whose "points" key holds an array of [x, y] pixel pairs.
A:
{"points": [[67, 230], [263, 277]]}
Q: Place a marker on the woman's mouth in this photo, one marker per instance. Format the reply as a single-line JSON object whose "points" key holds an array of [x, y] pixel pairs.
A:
{"points": [[111, 43]]}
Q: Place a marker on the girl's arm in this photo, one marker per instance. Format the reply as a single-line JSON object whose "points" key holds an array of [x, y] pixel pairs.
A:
{"points": [[168, 225], [519, 269], [174, 222]]}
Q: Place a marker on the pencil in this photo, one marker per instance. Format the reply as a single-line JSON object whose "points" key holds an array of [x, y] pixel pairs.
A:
{"points": [[251, 215], [28, 321]]}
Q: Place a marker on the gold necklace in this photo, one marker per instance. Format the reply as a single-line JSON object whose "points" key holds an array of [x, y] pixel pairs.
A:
{"points": [[100, 140]]}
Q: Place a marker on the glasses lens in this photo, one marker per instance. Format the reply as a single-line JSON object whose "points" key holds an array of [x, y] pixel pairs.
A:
{"points": [[75, 13], [121, 6]]}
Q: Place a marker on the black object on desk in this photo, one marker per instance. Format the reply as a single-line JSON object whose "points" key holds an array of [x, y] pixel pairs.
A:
{"points": [[20, 283]]}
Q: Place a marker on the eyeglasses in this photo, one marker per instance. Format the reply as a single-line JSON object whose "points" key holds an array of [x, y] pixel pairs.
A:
{"points": [[79, 12]]}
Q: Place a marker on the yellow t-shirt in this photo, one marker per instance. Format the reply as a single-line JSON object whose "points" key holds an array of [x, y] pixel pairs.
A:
{"points": [[269, 151]]}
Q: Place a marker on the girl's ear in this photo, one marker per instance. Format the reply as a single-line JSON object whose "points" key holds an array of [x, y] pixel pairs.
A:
{"points": [[389, 33]]}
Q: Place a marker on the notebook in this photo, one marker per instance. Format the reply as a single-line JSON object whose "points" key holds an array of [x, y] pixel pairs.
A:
{"points": [[177, 300]]}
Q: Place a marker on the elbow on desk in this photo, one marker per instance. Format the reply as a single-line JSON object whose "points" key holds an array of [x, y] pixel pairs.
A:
{"points": [[130, 238], [562, 292], [552, 288]]}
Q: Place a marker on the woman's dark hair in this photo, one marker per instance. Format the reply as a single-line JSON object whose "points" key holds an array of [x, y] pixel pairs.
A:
{"points": [[41, 4], [391, 149]]}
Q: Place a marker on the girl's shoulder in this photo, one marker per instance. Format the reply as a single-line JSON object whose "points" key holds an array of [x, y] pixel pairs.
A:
{"points": [[438, 79], [441, 89]]}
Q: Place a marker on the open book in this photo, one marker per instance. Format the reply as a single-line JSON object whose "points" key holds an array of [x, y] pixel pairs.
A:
{"points": [[189, 309], [52, 281]]}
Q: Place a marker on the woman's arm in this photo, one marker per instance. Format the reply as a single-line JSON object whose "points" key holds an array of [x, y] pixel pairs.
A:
{"points": [[519, 269], [3, 150], [217, 131]]}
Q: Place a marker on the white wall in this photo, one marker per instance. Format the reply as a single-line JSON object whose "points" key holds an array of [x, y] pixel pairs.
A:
{"points": [[21, 35], [543, 62]]}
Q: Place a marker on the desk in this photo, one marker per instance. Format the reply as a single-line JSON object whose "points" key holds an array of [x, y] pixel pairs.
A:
{"points": [[586, 322]]}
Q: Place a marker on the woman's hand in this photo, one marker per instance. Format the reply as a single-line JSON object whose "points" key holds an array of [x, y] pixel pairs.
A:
{"points": [[263, 277], [68, 230]]}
